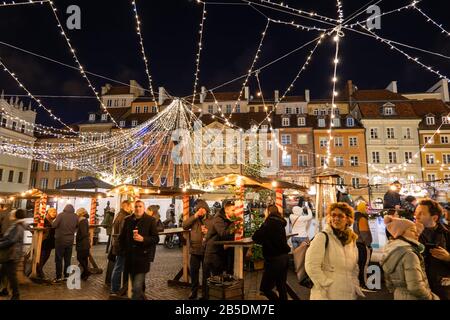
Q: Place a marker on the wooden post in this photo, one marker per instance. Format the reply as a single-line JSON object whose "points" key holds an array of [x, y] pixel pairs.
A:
{"points": [[279, 200], [239, 250], [186, 237], [92, 213], [40, 208]]}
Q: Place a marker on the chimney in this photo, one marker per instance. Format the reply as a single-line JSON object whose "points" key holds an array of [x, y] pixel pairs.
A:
{"points": [[247, 93], [392, 87], [442, 88], [277, 95], [307, 95], [203, 95], [106, 88], [161, 95]]}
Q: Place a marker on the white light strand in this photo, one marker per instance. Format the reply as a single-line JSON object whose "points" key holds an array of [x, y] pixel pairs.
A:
{"points": [[444, 31], [14, 3], [199, 52]]}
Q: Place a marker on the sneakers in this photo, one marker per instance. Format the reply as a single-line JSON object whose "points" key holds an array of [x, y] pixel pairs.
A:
{"points": [[58, 280]]}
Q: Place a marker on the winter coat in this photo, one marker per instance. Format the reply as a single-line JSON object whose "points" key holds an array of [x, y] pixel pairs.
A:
{"points": [[197, 245], [300, 223], [272, 236], [218, 231], [363, 236], [391, 199], [5, 222], [49, 235], [404, 271], [138, 254], [333, 270], [82, 238], [116, 230], [436, 269], [13, 239], [108, 222], [65, 225]]}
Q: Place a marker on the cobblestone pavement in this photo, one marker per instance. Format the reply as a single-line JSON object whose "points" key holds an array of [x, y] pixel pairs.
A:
{"points": [[166, 266]]}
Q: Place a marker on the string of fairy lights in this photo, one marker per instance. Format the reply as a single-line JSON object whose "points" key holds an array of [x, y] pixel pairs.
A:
{"points": [[95, 152]]}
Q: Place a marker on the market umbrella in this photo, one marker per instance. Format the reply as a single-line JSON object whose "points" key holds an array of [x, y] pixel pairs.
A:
{"points": [[86, 183]]}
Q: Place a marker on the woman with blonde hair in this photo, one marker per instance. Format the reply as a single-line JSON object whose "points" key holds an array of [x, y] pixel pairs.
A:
{"points": [[332, 258], [83, 242]]}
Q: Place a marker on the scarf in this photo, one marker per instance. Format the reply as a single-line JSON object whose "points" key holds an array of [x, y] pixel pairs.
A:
{"points": [[345, 236]]}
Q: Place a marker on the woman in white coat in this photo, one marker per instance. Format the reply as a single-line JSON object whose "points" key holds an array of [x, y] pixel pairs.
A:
{"points": [[333, 265]]}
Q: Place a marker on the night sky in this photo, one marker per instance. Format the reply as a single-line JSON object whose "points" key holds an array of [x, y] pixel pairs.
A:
{"points": [[107, 44]]}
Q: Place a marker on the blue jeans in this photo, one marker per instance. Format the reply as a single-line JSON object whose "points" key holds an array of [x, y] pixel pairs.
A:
{"points": [[296, 241], [137, 283], [116, 275]]}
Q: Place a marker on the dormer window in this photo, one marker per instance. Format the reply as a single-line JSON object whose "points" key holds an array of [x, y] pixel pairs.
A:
{"points": [[138, 109], [301, 121], [430, 120], [321, 122], [388, 111], [264, 127], [145, 109], [104, 117], [288, 110], [154, 109], [336, 122], [92, 117], [122, 123], [446, 120], [316, 112], [285, 122], [134, 123], [350, 122]]}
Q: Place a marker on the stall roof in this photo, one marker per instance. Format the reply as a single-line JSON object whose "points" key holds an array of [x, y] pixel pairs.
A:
{"points": [[86, 183], [154, 191], [254, 182], [36, 193]]}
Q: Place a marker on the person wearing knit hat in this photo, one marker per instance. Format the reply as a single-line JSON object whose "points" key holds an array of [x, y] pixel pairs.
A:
{"points": [[364, 241], [402, 262], [83, 242], [332, 258]]}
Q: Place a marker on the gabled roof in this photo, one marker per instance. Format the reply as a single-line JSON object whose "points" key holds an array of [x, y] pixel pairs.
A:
{"points": [[118, 90]]}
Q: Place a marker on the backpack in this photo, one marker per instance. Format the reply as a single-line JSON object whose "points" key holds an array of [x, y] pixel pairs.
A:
{"points": [[299, 254]]}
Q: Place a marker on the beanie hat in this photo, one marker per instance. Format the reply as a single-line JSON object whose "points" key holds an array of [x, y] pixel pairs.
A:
{"points": [[201, 204], [69, 208], [397, 226], [362, 207]]}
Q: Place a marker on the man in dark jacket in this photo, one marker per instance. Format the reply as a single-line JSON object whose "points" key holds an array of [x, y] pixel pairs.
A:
{"points": [[65, 225], [138, 236], [197, 223], [83, 242], [13, 240], [215, 261], [391, 198], [436, 239], [48, 242], [116, 251], [272, 236]]}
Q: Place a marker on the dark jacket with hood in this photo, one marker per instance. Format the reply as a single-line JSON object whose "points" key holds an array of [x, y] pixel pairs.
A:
{"points": [[197, 245], [272, 236], [13, 239], [83, 240], [218, 231], [116, 230], [5, 222], [65, 225], [48, 242], [436, 269], [137, 254]]}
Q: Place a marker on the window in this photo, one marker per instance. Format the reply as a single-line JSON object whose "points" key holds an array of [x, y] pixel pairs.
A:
{"points": [[286, 160], [447, 176], [124, 102], [321, 123], [288, 110], [338, 142], [340, 181], [429, 158], [390, 133], [145, 109], [45, 166], [22, 128], [33, 182], [355, 182], [408, 156], [59, 166], [302, 160], [323, 160], [154, 109], [285, 139], [228, 108], [134, 123], [373, 133], [252, 109], [92, 117], [446, 158], [353, 141], [11, 176], [4, 122], [354, 161], [68, 180], [316, 112], [102, 158], [14, 126], [269, 145], [375, 157], [445, 120], [264, 127], [431, 177], [392, 156], [285, 122], [323, 112], [138, 109], [302, 139], [427, 139], [350, 122], [163, 181], [323, 142], [108, 103], [430, 121], [339, 161], [210, 109], [44, 183], [444, 139], [407, 133], [388, 111], [238, 108], [1, 174], [56, 183], [301, 121], [336, 122], [122, 123], [34, 166]]}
